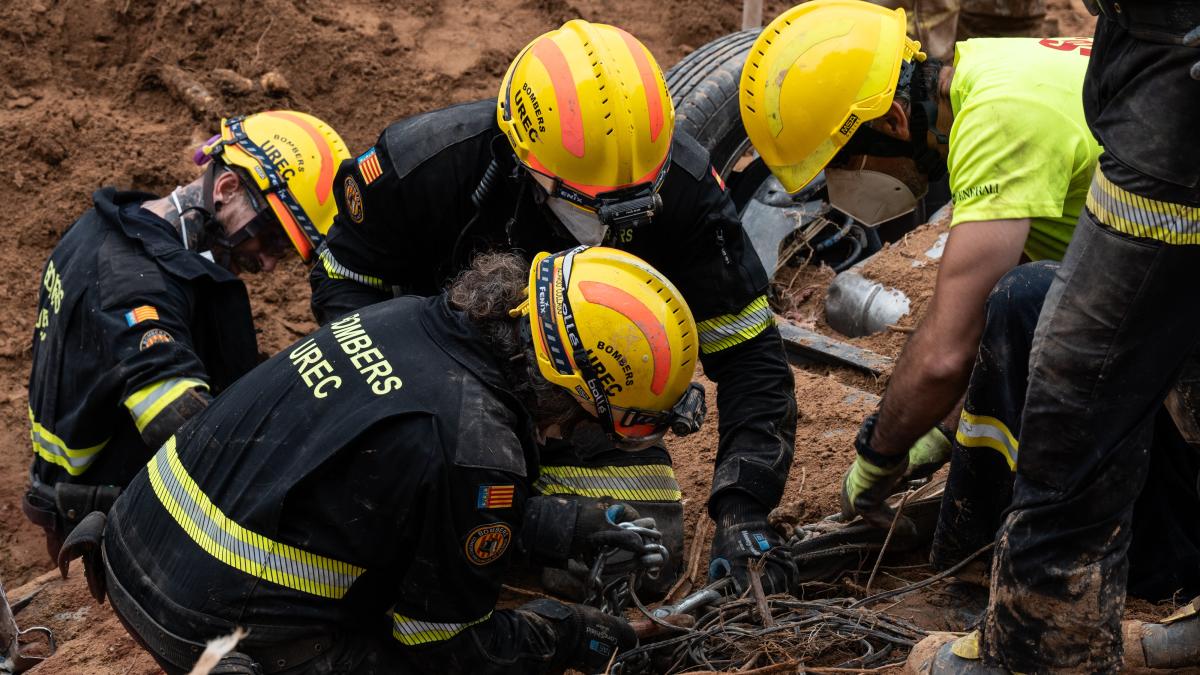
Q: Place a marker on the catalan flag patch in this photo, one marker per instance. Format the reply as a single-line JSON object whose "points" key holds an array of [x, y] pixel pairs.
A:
{"points": [[495, 496], [140, 314], [368, 166]]}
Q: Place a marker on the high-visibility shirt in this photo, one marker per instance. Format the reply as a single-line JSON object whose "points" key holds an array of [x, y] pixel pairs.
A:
{"points": [[1019, 145]]}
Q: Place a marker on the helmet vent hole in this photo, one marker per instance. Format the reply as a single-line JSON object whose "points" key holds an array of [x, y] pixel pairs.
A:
{"points": [[751, 109], [609, 132], [676, 311]]}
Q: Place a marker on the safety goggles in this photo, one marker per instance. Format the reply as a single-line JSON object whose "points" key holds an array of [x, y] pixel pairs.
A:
{"points": [[620, 209], [265, 226], [291, 217], [625, 431]]}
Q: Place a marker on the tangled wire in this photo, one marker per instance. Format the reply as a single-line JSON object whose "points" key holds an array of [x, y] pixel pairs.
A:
{"points": [[732, 636]]}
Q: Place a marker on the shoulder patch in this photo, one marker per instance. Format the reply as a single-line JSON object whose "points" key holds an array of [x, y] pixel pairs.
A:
{"points": [[368, 166], [353, 198], [154, 336], [689, 155], [486, 543], [486, 436]]}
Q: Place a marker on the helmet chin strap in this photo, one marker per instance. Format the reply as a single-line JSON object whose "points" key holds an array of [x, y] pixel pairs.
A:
{"points": [[211, 236], [921, 121]]}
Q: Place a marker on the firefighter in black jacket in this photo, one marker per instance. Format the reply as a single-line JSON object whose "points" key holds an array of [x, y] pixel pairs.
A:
{"points": [[141, 317], [355, 501], [580, 148]]}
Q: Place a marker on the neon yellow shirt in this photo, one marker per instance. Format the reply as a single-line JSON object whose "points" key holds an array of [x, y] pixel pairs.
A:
{"points": [[1019, 145]]}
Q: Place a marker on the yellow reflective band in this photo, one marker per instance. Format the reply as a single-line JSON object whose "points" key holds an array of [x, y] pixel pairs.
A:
{"points": [[234, 545], [1140, 216], [644, 483], [412, 632], [727, 330], [981, 431], [336, 270], [146, 403], [52, 449]]}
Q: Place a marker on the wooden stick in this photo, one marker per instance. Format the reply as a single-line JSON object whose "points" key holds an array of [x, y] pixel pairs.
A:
{"points": [[760, 598], [189, 92], [887, 540], [694, 557], [901, 329]]}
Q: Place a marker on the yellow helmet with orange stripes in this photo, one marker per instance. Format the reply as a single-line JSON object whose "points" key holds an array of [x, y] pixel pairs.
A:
{"points": [[292, 158], [613, 331], [587, 107]]}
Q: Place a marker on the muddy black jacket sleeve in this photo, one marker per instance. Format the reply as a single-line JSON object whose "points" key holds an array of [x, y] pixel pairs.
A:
{"points": [[466, 525], [700, 245]]}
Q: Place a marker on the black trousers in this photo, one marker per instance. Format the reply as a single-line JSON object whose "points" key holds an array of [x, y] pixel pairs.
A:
{"points": [[1164, 555], [1119, 321]]}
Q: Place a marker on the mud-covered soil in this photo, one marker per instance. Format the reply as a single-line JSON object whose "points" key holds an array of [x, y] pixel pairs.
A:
{"points": [[85, 102]]}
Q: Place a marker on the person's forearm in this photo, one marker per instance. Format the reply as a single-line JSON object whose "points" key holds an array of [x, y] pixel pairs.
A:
{"points": [[925, 389]]}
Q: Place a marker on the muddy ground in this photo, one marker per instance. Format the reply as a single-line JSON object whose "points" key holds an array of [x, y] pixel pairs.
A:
{"points": [[84, 103]]}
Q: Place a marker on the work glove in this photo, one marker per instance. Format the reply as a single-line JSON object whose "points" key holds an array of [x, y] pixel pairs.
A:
{"points": [[556, 529], [1192, 39], [872, 478], [744, 536], [929, 453], [585, 637]]}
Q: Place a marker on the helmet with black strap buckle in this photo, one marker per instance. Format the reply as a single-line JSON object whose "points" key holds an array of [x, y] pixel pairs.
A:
{"points": [[586, 107]]}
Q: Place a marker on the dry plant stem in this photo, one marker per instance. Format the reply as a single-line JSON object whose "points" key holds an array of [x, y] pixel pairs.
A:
{"points": [[901, 329], [525, 592], [887, 540], [787, 667], [697, 547], [880, 669], [188, 90], [756, 589], [926, 582]]}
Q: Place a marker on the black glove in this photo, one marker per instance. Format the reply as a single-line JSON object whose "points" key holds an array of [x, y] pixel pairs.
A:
{"points": [[585, 637], [743, 537], [1192, 39], [871, 479], [556, 529]]}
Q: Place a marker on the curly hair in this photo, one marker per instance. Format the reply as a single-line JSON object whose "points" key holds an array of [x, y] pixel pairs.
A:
{"points": [[493, 284]]}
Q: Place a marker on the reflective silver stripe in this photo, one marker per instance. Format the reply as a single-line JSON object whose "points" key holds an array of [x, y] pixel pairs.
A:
{"points": [[414, 632], [146, 403], [336, 270], [1141, 216], [74, 461], [976, 431], [728, 330], [238, 547]]}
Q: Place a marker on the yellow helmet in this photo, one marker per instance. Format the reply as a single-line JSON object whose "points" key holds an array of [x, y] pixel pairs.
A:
{"points": [[814, 75], [613, 331], [587, 106], [292, 157]]}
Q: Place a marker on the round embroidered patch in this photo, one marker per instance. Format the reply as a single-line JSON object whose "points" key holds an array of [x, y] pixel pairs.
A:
{"points": [[486, 543], [354, 201], [155, 336]]}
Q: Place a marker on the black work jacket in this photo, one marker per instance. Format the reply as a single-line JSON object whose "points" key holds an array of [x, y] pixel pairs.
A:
{"points": [[379, 468], [403, 207], [124, 306]]}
